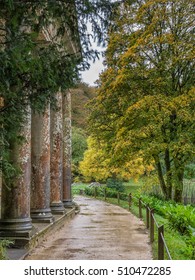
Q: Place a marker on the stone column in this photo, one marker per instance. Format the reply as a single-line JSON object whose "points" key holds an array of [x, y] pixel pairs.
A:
{"points": [[56, 164], [0, 183], [1, 150], [1, 159], [40, 188], [15, 215], [67, 196]]}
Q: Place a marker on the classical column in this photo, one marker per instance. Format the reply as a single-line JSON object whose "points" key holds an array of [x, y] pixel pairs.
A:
{"points": [[40, 152], [56, 164], [0, 183], [67, 196], [15, 209], [0, 187], [1, 149]]}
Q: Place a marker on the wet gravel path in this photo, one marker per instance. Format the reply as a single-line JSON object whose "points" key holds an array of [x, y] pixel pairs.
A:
{"points": [[101, 231]]}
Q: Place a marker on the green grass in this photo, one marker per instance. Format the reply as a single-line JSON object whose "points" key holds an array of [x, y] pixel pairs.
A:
{"points": [[133, 186]]}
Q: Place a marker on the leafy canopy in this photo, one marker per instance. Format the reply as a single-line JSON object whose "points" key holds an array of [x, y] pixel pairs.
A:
{"points": [[146, 96]]}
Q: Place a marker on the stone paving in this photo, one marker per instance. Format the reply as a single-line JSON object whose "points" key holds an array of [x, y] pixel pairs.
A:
{"points": [[101, 231]]}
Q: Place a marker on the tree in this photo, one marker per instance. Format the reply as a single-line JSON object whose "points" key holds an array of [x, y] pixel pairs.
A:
{"points": [[98, 164], [79, 146], [80, 96], [146, 95]]}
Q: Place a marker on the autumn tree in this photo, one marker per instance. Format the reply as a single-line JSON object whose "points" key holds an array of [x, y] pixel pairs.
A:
{"points": [[81, 94], [98, 164], [146, 96], [79, 146]]}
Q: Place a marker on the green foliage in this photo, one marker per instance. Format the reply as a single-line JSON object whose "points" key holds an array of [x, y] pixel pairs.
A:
{"points": [[76, 187], [145, 102], [110, 192], [31, 69], [90, 191], [79, 146], [4, 244], [114, 183], [99, 164], [190, 250], [182, 218], [80, 96], [160, 206], [189, 172]]}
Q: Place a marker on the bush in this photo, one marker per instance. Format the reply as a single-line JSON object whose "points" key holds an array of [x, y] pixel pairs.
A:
{"points": [[160, 206], [180, 217], [115, 184], [89, 191], [111, 193], [3, 248]]}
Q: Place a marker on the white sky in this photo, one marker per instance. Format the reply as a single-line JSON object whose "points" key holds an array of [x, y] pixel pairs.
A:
{"points": [[91, 75]]}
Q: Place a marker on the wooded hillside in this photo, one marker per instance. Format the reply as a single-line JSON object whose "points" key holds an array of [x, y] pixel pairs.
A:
{"points": [[81, 95]]}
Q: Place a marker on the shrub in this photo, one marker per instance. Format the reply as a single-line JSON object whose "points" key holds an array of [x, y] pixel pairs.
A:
{"points": [[115, 184], [160, 206], [182, 218], [89, 191], [3, 248]]}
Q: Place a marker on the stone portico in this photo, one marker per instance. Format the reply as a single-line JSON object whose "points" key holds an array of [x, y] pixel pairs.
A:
{"points": [[42, 191]]}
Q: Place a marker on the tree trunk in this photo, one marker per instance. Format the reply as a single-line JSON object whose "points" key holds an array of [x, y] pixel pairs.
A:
{"points": [[179, 173], [160, 176], [168, 174]]}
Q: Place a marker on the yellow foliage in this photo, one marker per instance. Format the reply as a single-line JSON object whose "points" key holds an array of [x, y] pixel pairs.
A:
{"points": [[97, 164]]}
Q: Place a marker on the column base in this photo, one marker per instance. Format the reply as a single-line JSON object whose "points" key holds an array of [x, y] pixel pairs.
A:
{"points": [[42, 216], [68, 203], [21, 227], [57, 208]]}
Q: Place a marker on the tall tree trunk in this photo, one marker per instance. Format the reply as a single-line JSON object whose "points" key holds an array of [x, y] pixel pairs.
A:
{"points": [[160, 176], [179, 174], [168, 174]]}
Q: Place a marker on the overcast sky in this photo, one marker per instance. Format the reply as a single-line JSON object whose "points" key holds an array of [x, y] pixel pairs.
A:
{"points": [[91, 75]]}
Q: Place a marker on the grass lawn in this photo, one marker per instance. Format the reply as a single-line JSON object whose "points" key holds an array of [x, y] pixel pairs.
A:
{"points": [[132, 186]]}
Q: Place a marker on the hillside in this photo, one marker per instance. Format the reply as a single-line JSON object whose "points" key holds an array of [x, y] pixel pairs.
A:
{"points": [[80, 97]]}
